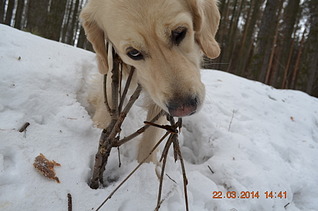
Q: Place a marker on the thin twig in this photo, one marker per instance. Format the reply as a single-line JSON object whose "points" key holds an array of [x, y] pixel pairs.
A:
{"points": [[143, 161], [123, 96], [165, 127], [120, 84], [115, 87], [286, 205], [173, 138], [211, 169], [171, 179], [105, 94], [234, 111], [138, 132], [164, 161], [24, 127], [132, 100], [177, 153], [120, 119], [119, 160], [69, 199], [110, 136], [105, 142], [185, 180]]}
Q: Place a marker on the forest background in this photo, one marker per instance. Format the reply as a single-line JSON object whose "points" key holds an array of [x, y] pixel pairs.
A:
{"points": [[272, 41]]}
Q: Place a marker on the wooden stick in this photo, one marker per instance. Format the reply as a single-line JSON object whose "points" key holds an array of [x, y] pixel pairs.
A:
{"points": [[165, 127], [105, 94], [177, 154], [143, 161], [123, 96], [164, 161], [138, 132], [117, 125], [110, 136], [185, 180], [24, 127], [115, 87], [105, 142], [107, 139], [211, 169], [69, 199]]}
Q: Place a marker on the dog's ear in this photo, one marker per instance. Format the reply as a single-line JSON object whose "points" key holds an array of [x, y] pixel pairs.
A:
{"points": [[206, 18], [97, 38]]}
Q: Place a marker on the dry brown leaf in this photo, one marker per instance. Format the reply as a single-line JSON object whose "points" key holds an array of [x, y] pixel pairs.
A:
{"points": [[46, 167]]}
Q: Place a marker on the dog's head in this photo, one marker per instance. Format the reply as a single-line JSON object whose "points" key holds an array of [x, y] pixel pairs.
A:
{"points": [[163, 40]]}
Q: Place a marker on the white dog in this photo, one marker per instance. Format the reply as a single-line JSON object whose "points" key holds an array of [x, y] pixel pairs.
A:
{"points": [[164, 40]]}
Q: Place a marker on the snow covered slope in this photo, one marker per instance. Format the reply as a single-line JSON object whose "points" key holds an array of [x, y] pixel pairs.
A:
{"points": [[254, 139]]}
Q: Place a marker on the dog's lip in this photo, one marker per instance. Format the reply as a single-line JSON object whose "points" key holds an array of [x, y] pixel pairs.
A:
{"points": [[183, 111], [184, 106]]}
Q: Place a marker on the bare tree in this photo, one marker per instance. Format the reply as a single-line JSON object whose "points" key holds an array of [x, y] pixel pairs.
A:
{"points": [[312, 43], [2, 10], [265, 37], [18, 15], [37, 16], [55, 19], [289, 26], [247, 40], [9, 12]]}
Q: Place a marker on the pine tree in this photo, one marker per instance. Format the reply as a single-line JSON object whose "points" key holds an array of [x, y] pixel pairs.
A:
{"points": [[55, 19], [288, 27], [2, 10], [265, 38], [9, 12], [312, 55], [18, 15], [248, 37], [37, 16]]}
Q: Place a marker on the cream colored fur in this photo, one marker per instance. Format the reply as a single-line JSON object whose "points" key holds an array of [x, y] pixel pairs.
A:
{"points": [[167, 71]]}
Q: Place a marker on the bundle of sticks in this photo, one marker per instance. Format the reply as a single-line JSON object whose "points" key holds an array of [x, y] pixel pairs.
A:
{"points": [[109, 138]]}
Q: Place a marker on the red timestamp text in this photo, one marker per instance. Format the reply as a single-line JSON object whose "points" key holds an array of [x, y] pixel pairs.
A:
{"points": [[249, 194]]}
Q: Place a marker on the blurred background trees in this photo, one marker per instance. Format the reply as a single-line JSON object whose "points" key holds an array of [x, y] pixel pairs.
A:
{"points": [[272, 41]]}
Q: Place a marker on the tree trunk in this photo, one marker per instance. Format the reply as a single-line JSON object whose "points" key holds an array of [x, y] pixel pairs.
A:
{"points": [[74, 22], [265, 38], [222, 34], [18, 14], [37, 16], [270, 62], [2, 10], [248, 39], [312, 54], [288, 27], [297, 63], [55, 19], [286, 70], [233, 38], [9, 12], [71, 22], [67, 21], [81, 38]]}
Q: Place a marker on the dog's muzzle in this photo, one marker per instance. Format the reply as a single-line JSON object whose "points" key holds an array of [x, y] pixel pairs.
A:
{"points": [[183, 107]]}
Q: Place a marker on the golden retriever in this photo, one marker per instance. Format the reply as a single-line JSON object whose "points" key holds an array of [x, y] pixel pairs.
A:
{"points": [[164, 40]]}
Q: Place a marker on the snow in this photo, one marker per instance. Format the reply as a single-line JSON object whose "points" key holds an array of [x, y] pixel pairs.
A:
{"points": [[252, 136]]}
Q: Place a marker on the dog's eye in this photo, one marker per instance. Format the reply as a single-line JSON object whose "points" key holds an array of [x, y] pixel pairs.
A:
{"points": [[178, 35], [135, 54]]}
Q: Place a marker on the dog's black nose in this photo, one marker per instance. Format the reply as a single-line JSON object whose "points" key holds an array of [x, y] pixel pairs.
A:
{"points": [[183, 106]]}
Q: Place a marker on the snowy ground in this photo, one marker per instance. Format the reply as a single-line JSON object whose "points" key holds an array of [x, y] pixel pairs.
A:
{"points": [[253, 137]]}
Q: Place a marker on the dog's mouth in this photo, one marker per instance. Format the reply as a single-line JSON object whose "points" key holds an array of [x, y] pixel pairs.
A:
{"points": [[183, 107]]}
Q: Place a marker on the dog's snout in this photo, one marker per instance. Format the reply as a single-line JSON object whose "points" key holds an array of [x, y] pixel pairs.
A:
{"points": [[183, 106]]}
